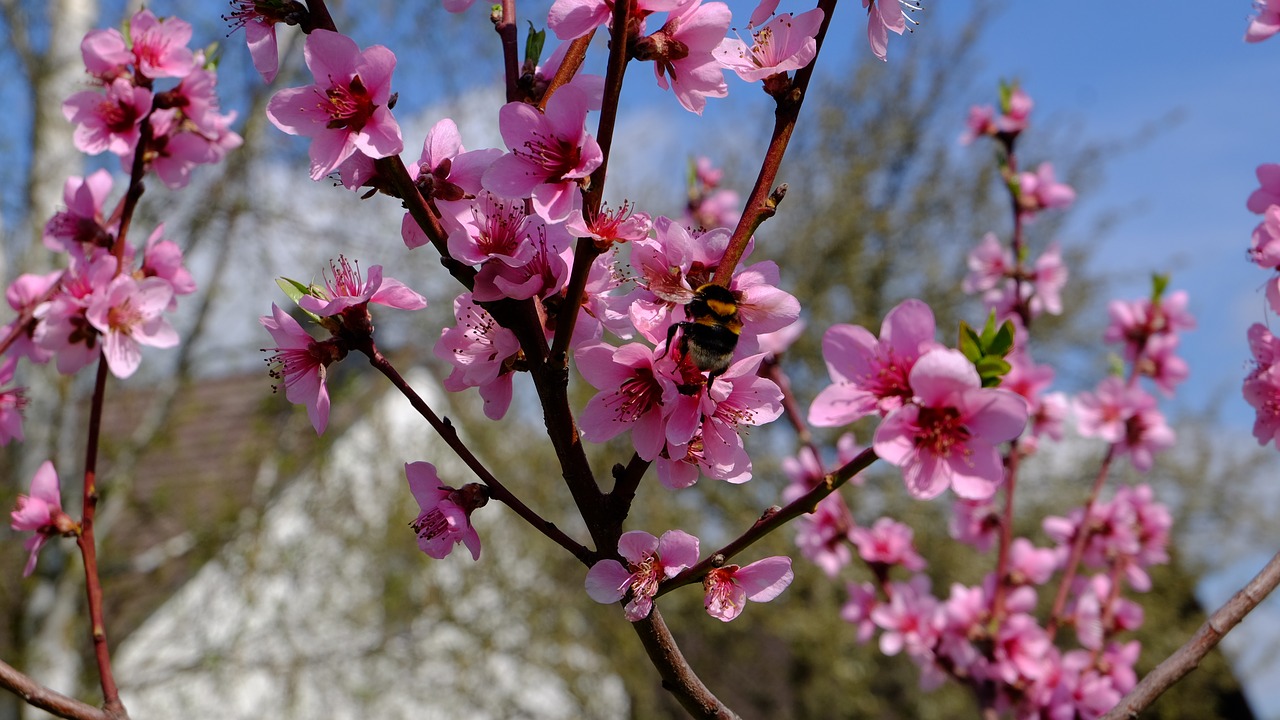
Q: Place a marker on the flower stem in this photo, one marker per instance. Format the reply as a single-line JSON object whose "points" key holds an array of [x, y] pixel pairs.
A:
{"points": [[772, 519], [88, 551], [586, 251], [449, 434], [1077, 545], [759, 206]]}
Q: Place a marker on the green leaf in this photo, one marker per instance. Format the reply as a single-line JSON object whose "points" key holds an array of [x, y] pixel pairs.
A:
{"points": [[294, 289], [533, 45], [1159, 283], [1002, 343], [970, 344]]}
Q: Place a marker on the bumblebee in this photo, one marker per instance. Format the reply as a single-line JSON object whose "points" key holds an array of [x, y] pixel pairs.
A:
{"points": [[709, 336]]}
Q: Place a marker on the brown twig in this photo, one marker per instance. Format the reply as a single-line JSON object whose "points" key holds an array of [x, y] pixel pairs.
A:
{"points": [[1188, 657], [759, 206], [573, 58], [93, 586], [37, 695], [510, 36], [586, 251], [771, 520], [449, 434], [1078, 544], [677, 677]]}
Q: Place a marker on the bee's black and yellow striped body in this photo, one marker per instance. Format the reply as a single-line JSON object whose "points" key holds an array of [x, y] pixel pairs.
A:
{"points": [[710, 335]]}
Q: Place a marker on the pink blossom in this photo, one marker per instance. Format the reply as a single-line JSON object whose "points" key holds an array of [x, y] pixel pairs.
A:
{"points": [[571, 19], [1081, 691], [1030, 564], [1134, 321], [981, 122], [545, 273], [738, 397], [682, 52], [610, 226], [783, 45], [110, 121], [1099, 613], [301, 364], [494, 229], [1047, 280], [445, 519], [346, 111], [1015, 112], [989, 264], [106, 54], [481, 352], [1264, 248], [41, 513], [974, 522], [551, 153], [62, 330], [1128, 418], [24, 294], [160, 46], [879, 23], [1262, 384], [345, 288], [163, 259], [823, 535], [1103, 413], [447, 174], [1021, 647], [870, 375], [1131, 532], [887, 542], [83, 222], [910, 619], [1161, 364], [630, 397], [680, 465], [1266, 23], [190, 132], [128, 314], [948, 436], [858, 608], [676, 261], [12, 402], [1041, 191], [259, 19], [650, 560], [720, 208], [1269, 192], [727, 589]]}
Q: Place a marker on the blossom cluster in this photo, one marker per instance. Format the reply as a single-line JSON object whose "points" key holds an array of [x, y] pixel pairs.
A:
{"points": [[512, 215], [651, 560], [945, 415], [940, 425], [971, 637], [967, 635], [1119, 412], [151, 100], [1262, 384]]}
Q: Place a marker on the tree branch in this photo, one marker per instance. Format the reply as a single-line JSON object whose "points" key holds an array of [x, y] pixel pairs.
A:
{"points": [[771, 520], [677, 677], [37, 695], [1188, 657]]}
